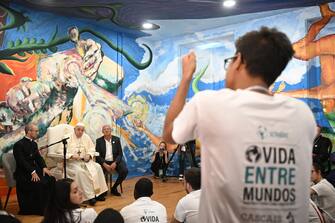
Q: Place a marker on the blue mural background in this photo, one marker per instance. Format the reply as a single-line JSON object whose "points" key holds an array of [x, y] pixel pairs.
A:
{"points": [[147, 93]]}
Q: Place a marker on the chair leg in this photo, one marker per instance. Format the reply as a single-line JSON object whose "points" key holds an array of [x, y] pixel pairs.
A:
{"points": [[8, 193]]}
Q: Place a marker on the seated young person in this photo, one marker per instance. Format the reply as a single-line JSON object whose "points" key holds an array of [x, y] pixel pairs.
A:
{"points": [[64, 204], [144, 209], [188, 206], [109, 215], [323, 193]]}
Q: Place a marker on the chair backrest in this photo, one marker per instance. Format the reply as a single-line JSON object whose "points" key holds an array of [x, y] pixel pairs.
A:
{"points": [[9, 166], [58, 133]]}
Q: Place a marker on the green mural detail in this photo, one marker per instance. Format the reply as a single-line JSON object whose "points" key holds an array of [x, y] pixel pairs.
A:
{"points": [[197, 78], [32, 45], [17, 19]]}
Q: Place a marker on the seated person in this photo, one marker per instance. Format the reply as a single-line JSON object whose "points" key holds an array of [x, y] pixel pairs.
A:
{"points": [[33, 179], [321, 150], [188, 206], [160, 160], [82, 169], [64, 204], [323, 193], [109, 215], [144, 209], [110, 156]]}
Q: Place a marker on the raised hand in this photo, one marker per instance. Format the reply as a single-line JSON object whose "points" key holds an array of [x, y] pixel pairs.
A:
{"points": [[189, 66]]}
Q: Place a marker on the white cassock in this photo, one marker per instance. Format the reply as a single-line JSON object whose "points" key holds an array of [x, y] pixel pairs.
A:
{"points": [[88, 175]]}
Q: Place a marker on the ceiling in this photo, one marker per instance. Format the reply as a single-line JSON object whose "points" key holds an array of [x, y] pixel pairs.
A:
{"points": [[130, 14]]}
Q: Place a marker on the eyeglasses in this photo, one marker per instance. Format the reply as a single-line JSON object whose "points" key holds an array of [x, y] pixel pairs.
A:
{"points": [[227, 61]]}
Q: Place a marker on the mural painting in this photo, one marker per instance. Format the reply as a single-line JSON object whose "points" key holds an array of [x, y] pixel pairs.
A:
{"points": [[62, 70]]}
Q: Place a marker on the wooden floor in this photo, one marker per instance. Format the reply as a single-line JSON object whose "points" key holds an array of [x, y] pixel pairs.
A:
{"points": [[168, 193]]}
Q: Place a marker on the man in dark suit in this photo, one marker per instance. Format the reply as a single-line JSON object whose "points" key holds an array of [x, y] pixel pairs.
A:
{"points": [[110, 156], [33, 179]]}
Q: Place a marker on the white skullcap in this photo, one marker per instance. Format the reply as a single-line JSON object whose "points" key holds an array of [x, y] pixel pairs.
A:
{"points": [[80, 124]]}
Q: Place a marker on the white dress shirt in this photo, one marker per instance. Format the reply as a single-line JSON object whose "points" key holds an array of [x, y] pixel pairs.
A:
{"points": [[109, 150]]}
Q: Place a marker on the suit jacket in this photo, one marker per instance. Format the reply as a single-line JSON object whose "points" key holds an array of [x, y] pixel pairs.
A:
{"points": [[100, 147], [27, 159]]}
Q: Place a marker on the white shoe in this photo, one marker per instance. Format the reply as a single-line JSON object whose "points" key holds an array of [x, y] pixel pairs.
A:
{"points": [[181, 177]]}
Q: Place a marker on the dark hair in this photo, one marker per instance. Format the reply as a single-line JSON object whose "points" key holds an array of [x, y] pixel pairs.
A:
{"points": [[143, 188], [193, 177], [163, 143], [59, 208], [318, 167], [265, 52], [109, 215]]}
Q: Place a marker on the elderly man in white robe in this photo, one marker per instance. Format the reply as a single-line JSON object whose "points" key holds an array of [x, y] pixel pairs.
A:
{"points": [[81, 168]]}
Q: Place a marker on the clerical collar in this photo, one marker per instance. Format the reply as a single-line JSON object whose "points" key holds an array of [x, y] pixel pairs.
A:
{"points": [[31, 140], [259, 89]]}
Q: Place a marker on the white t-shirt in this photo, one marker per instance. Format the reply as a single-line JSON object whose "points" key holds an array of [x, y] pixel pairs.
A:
{"points": [[256, 154], [144, 210], [84, 215], [325, 198], [188, 207], [314, 214]]}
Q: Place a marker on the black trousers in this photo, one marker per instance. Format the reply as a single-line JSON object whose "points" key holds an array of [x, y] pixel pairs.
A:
{"points": [[190, 155], [122, 171], [33, 196]]}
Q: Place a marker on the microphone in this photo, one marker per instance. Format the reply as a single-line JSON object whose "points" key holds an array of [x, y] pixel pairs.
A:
{"points": [[47, 146]]}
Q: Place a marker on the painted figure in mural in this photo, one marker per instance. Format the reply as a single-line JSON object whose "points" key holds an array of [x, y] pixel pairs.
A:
{"points": [[110, 156], [47, 96], [53, 91], [59, 78], [307, 48], [156, 140], [81, 167], [33, 179]]}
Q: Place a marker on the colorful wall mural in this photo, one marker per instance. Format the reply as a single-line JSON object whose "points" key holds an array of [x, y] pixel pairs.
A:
{"points": [[57, 69]]}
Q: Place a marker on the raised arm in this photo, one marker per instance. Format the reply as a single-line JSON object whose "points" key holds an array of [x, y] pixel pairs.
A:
{"points": [[178, 102]]}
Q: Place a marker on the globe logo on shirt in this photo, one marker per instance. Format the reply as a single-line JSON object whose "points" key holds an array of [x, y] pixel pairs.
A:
{"points": [[262, 132], [253, 154]]}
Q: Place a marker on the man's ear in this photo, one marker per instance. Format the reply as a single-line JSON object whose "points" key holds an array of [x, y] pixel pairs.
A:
{"points": [[238, 62]]}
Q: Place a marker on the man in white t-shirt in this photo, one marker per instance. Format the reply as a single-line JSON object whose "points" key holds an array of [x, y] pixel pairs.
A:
{"points": [[144, 209], [188, 206], [256, 147], [323, 193]]}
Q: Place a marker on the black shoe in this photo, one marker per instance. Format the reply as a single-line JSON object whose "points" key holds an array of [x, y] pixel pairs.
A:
{"points": [[100, 198], [115, 192], [92, 201]]}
